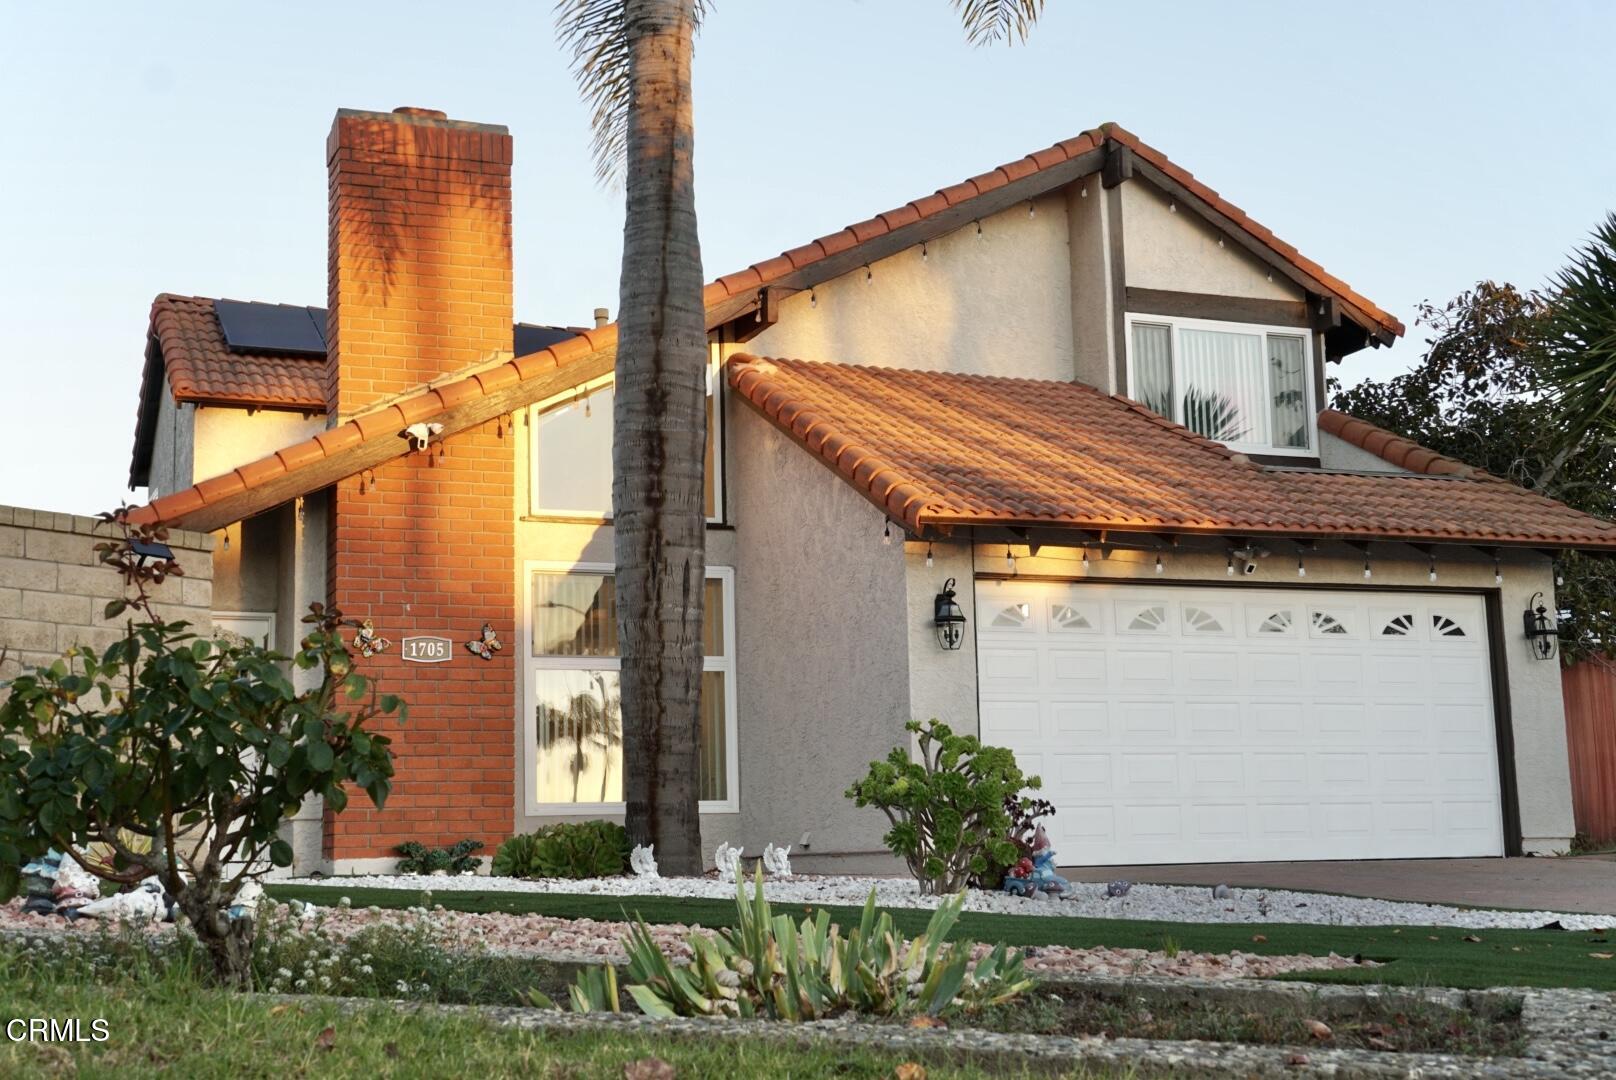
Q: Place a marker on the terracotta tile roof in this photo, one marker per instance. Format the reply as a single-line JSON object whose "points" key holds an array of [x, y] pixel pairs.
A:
{"points": [[941, 449], [1394, 448], [819, 255], [202, 368]]}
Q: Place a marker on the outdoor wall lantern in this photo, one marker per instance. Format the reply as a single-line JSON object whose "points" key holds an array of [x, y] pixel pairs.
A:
{"points": [[950, 619], [1540, 629]]}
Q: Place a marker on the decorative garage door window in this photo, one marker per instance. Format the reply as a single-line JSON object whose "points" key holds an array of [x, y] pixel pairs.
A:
{"points": [[1072, 617], [1398, 626], [1443, 626], [1151, 619], [1012, 616], [1200, 620], [1328, 624], [1282, 621], [574, 700]]}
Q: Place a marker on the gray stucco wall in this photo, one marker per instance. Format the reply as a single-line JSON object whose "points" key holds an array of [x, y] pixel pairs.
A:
{"points": [[1335, 453], [823, 647], [1092, 324], [1543, 779], [1178, 251]]}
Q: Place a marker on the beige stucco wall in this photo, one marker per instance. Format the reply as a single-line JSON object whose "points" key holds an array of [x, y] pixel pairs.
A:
{"points": [[994, 304], [225, 438], [54, 590], [1179, 252], [942, 683], [1543, 780]]}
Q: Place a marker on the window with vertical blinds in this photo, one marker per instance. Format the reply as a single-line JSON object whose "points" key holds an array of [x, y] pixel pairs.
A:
{"points": [[575, 700], [1245, 386]]}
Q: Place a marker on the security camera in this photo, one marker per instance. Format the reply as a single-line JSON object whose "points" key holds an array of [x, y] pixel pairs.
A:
{"points": [[1249, 569], [419, 436]]}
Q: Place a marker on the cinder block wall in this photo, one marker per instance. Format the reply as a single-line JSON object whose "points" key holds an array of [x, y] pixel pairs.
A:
{"points": [[53, 588]]}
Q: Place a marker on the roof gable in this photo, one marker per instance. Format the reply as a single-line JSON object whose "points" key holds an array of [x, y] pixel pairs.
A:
{"points": [[370, 438]]}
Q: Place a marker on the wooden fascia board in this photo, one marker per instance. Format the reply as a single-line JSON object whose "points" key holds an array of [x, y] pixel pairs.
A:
{"points": [[383, 448], [1267, 255]]}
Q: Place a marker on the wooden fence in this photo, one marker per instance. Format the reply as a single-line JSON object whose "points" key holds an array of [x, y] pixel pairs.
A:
{"points": [[1590, 708]]}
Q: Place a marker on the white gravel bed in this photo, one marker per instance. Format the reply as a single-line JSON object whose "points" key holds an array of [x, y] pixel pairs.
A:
{"points": [[1171, 903]]}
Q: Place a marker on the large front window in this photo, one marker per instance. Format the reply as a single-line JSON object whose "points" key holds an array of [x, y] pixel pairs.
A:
{"points": [[572, 454], [1244, 386], [574, 701]]}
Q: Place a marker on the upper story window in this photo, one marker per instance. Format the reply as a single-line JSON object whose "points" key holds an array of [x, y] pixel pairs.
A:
{"points": [[571, 465], [1245, 386]]}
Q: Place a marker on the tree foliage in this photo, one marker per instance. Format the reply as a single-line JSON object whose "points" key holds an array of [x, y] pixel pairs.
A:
{"points": [[1578, 337], [1483, 393], [176, 756]]}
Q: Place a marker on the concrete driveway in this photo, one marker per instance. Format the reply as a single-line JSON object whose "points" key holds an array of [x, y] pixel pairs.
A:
{"points": [[1585, 883]]}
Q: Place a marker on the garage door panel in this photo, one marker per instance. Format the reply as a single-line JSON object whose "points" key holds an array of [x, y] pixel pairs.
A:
{"points": [[1212, 723], [1078, 667], [1090, 719]]}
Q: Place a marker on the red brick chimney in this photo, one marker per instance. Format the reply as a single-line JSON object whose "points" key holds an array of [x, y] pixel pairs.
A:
{"points": [[420, 252], [424, 545]]}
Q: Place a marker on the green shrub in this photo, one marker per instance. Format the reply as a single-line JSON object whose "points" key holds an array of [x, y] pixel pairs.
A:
{"points": [[764, 966], [417, 858], [948, 809], [583, 849]]}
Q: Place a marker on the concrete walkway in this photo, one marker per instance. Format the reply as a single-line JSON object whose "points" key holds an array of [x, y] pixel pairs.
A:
{"points": [[1583, 884]]}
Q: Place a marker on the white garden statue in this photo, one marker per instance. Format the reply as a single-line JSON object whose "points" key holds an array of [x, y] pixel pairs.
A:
{"points": [[728, 860], [777, 860], [642, 860]]}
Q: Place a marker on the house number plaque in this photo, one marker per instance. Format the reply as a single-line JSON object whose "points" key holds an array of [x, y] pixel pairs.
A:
{"points": [[427, 650]]}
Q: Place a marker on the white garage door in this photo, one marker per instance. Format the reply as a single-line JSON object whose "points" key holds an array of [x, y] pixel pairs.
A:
{"points": [[1207, 724]]}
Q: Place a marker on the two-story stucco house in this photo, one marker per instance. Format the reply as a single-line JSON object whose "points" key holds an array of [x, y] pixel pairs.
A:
{"points": [[1222, 621]]}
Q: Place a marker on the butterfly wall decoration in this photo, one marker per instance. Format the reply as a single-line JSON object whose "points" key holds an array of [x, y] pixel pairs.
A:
{"points": [[486, 645], [368, 642]]}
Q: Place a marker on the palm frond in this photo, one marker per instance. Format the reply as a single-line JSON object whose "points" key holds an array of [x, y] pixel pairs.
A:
{"points": [[987, 22], [596, 34], [1579, 337]]}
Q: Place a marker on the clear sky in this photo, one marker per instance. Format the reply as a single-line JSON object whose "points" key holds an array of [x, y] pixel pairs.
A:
{"points": [[1412, 148]]}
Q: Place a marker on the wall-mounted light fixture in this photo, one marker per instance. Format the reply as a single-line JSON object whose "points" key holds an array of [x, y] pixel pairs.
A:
{"points": [[1541, 632], [949, 618]]}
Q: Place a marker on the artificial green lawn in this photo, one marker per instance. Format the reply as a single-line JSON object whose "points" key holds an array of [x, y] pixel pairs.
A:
{"points": [[1411, 955]]}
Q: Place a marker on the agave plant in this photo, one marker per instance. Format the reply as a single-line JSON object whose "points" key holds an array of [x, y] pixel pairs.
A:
{"points": [[766, 966]]}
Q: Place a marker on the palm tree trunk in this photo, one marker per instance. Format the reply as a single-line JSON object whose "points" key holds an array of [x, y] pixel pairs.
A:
{"points": [[659, 432]]}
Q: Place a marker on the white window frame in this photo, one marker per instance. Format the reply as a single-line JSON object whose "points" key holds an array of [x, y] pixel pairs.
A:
{"points": [[715, 388], [267, 617], [530, 748], [1176, 323]]}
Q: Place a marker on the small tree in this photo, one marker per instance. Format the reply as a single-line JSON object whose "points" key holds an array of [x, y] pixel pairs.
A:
{"points": [[177, 756], [948, 809]]}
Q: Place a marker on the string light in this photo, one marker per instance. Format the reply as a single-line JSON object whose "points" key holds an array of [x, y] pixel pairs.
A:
{"points": [[922, 251], [1172, 206], [1433, 568], [928, 555], [1498, 572], [1220, 241], [1160, 569], [979, 228], [1367, 573], [227, 539], [1229, 567], [1031, 209], [1085, 560], [1085, 192], [886, 535], [1559, 575], [813, 299], [1301, 566], [1009, 559], [869, 275]]}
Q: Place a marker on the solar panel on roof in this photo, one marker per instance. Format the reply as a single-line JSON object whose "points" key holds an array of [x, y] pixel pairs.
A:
{"points": [[275, 328], [530, 338]]}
